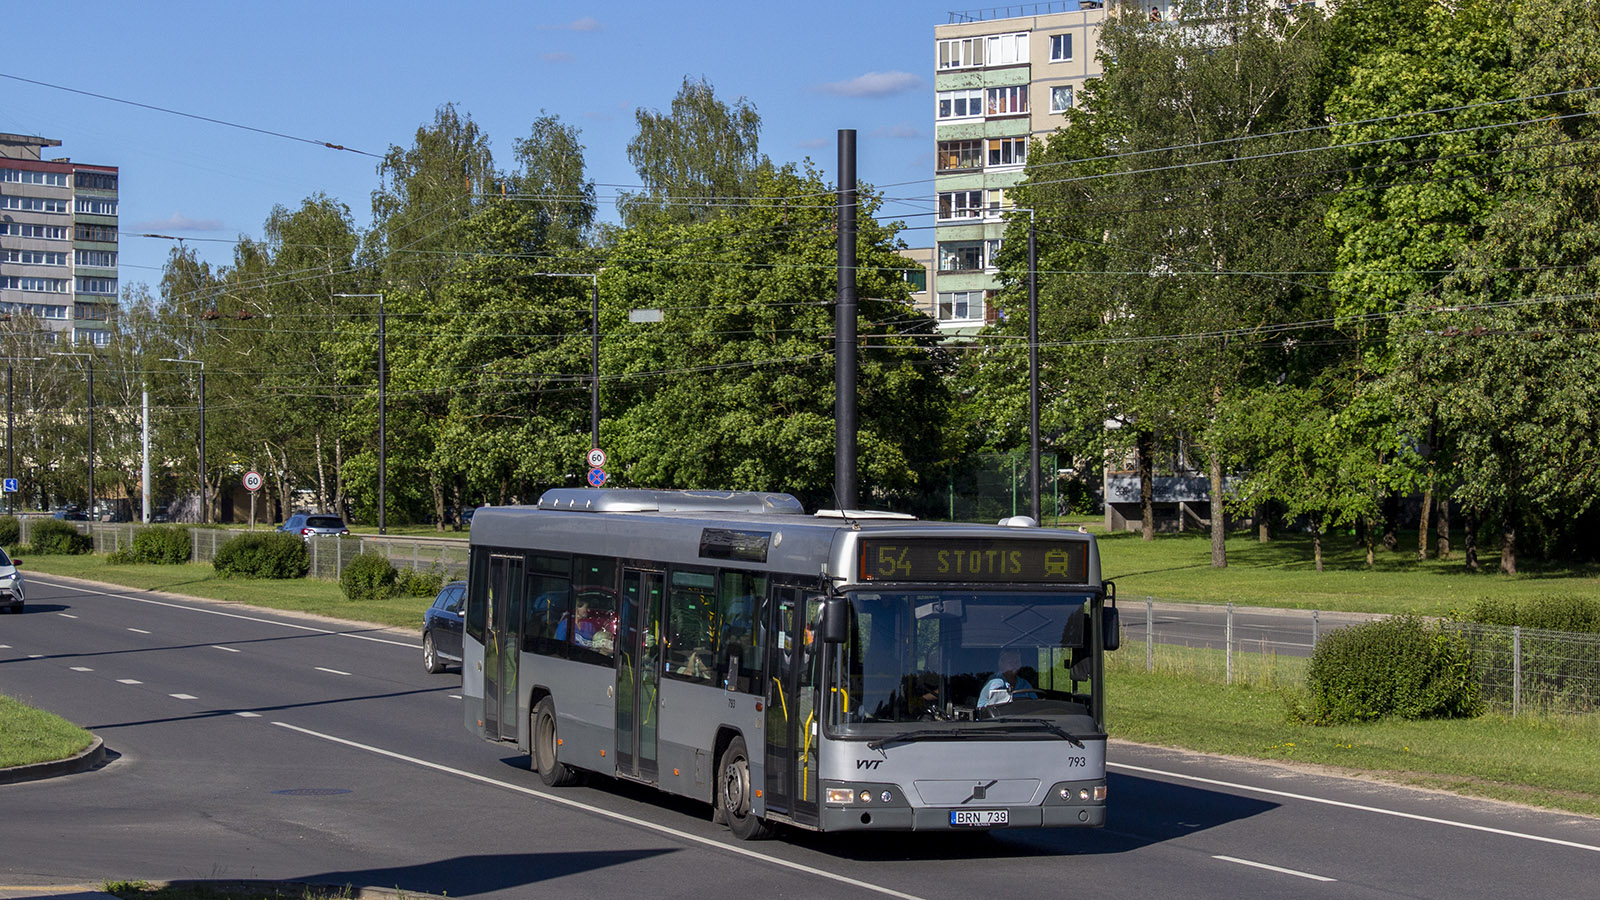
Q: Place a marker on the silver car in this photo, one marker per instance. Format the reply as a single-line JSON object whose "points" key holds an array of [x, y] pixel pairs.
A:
{"points": [[10, 583], [314, 525]]}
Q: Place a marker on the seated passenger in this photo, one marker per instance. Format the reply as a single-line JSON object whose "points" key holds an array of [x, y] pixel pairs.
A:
{"points": [[1006, 685]]}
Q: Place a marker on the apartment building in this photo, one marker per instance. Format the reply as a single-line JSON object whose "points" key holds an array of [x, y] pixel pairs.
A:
{"points": [[1002, 78], [58, 241]]}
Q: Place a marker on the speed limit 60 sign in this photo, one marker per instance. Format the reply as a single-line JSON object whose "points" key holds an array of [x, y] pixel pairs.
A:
{"points": [[597, 458], [252, 481]]}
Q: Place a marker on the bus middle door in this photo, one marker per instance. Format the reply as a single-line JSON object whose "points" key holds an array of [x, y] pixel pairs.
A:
{"points": [[638, 667], [501, 646], [792, 727]]}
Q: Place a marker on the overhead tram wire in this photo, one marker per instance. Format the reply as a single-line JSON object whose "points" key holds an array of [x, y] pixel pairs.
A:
{"points": [[187, 115]]}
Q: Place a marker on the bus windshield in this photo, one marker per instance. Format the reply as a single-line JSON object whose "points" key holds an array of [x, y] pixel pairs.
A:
{"points": [[961, 656]]}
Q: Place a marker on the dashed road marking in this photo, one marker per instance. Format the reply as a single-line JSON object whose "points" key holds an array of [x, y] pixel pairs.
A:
{"points": [[220, 647], [138, 631], [331, 671], [246, 714], [1279, 869], [66, 615], [129, 681], [183, 696], [81, 669]]}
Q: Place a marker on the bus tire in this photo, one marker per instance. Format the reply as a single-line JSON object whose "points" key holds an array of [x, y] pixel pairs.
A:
{"points": [[734, 793], [546, 760]]}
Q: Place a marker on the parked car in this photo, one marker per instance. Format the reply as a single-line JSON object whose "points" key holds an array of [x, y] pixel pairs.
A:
{"points": [[441, 627], [312, 525], [10, 583], [71, 514]]}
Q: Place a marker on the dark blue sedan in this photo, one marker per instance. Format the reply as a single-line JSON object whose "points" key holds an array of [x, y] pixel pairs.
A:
{"points": [[441, 628]]}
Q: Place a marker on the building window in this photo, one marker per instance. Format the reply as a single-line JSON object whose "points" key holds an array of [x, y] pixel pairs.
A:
{"points": [[33, 204], [991, 252], [961, 256], [95, 181], [35, 257], [917, 279], [100, 234], [106, 286], [961, 53], [96, 206], [1008, 101], [24, 229], [1006, 49], [40, 310], [100, 259], [959, 155], [996, 204], [25, 176], [1061, 98], [1011, 151], [960, 204], [41, 285], [96, 336], [960, 305], [1060, 48], [95, 311], [960, 104]]}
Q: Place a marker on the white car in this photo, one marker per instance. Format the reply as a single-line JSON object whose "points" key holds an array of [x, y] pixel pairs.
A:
{"points": [[10, 583]]}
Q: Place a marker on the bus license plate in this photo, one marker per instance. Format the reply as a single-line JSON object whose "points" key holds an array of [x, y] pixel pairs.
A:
{"points": [[980, 818]]}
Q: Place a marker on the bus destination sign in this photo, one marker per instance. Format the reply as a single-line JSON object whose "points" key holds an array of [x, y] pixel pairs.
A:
{"points": [[985, 560]]}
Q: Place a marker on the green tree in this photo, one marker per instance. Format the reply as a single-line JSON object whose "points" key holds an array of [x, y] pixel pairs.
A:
{"points": [[550, 178], [695, 158]]}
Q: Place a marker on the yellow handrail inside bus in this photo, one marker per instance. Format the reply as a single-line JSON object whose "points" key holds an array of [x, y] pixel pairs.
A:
{"points": [[782, 702], [805, 756]]}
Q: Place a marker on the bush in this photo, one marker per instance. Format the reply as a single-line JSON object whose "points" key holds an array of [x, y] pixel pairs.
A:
{"points": [[162, 545], [58, 537], [10, 531], [262, 556], [1395, 666], [413, 583], [370, 576]]}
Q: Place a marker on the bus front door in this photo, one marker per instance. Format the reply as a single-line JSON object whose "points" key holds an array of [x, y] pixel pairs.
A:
{"points": [[500, 646], [638, 662], [792, 727]]}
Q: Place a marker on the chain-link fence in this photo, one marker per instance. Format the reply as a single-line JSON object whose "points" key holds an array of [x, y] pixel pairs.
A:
{"points": [[1534, 670], [328, 555]]}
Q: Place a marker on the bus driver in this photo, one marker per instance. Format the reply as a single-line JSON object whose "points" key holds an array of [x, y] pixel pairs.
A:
{"points": [[1006, 685]]}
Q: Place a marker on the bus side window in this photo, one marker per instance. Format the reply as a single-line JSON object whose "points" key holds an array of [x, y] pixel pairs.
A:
{"points": [[477, 599], [739, 649], [691, 629]]}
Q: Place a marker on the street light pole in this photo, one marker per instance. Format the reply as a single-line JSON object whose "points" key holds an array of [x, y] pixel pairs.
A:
{"points": [[383, 405], [205, 500]]}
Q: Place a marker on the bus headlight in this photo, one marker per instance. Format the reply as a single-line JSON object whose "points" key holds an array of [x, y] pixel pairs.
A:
{"points": [[840, 795]]}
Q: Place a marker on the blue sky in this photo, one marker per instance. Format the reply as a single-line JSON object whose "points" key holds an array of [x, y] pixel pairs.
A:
{"points": [[366, 75]]}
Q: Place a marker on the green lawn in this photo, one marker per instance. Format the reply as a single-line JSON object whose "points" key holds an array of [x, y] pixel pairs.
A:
{"points": [[29, 735], [1280, 573]]}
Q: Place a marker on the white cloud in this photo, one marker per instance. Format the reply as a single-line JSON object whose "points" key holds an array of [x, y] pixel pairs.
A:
{"points": [[587, 23], [873, 84], [900, 130], [179, 222]]}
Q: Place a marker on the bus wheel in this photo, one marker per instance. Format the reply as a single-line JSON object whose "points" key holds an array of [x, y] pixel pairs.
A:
{"points": [[733, 794], [552, 771]]}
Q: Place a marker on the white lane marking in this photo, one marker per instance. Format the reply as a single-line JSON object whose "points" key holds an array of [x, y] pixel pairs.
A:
{"points": [[5, 646], [620, 817], [1278, 869], [81, 669], [138, 631], [36, 656], [455, 696], [66, 616], [229, 615], [220, 647], [183, 696], [1357, 806], [331, 671], [248, 715], [129, 681]]}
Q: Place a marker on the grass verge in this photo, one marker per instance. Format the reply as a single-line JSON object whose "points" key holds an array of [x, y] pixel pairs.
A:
{"points": [[310, 595], [201, 890], [29, 735], [1540, 761]]}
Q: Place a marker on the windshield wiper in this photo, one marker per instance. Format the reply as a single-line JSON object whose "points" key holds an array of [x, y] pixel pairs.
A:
{"points": [[908, 735], [1051, 727]]}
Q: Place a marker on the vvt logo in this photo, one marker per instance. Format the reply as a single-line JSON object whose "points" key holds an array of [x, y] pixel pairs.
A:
{"points": [[868, 763]]}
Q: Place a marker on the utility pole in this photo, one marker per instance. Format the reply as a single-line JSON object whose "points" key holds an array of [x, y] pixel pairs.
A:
{"points": [[1033, 367], [845, 419]]}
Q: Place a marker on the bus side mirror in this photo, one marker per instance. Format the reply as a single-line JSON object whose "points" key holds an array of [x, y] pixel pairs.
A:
{"points": [[1111, 628], [835, 620]]}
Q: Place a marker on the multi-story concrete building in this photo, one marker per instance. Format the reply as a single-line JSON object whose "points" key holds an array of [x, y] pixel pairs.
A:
{"points": [[58, 241], [1002, 78]]}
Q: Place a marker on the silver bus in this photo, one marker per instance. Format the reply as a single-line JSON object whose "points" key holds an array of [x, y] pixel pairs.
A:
{"points": [[833, 672]]}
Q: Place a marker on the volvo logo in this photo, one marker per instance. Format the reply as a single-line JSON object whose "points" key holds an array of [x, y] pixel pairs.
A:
{"points": [[981, 791]]}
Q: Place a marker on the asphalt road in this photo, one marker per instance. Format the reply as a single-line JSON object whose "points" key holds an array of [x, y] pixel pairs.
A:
{"points": [[261, 745]]}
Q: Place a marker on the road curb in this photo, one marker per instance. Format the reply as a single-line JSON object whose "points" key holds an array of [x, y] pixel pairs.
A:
{"points": [[91, 757]]}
